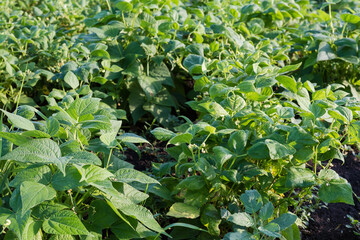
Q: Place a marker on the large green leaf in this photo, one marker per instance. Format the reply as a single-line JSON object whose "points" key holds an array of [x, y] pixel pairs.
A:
{"points": [[299, 177], [252, 201], [139, 212], [33, 193], [92, 173], [71, 179], [325, 52], [33, 173], [64, 222], [285, 220], [288, 83], [35, 151], [336, 191], [24, 227], [71, 79], [151, 86], [83, 106], [278, 150]]}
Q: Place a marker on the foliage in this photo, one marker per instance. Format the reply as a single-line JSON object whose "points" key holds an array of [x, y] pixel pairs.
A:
{"points": [[274, 86]]}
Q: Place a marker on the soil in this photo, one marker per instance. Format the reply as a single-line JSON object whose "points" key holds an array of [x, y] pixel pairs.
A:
{"points": [[149, 154], [330, 223]]}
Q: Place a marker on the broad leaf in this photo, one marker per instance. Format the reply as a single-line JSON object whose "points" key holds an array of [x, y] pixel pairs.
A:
{"points": [[33, 193], [64, 222]]}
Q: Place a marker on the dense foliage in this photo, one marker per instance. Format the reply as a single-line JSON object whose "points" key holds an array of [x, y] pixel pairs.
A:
{"points": [[273, 84]]}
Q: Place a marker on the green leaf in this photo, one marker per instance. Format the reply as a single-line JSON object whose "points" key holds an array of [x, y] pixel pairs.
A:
{"points": [[101, 215], [91, 173], [182, 210], [325, 52], [162, 134], [336, 191], [33, 173], [24, 226], [15, 138], [83, 106], [71, 179], [222, 155], [252, 201], [292, 233], [240, 234], [285, 220], [128, 175], [151, 86], [84, 158], [210, 217], [100, 54], [195, 64], [71, 79], [238, 140], [124, 6], [181, 138], [138, 212], [242, 219], [278, 150], [35, 151], [299, 177], [64, 222], [52, 126], [288, 83], [132, 138], [289, 68], [271, 230], [285, 112], [266, 211], [19, 122], [33, 193], [36, 134], [350, 18], [62, 237]]}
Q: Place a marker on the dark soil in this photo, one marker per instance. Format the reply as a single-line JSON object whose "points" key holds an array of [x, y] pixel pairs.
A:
{"points": [[329, 223], [149, 154]]}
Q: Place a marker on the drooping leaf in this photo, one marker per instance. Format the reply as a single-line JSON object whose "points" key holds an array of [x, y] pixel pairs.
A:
{"points": [[19, 122]]}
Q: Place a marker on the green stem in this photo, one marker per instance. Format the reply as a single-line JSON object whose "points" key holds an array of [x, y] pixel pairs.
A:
{"points": [[108, 160], [86, 195]]}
